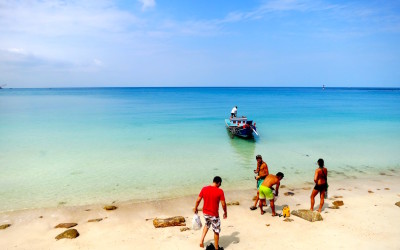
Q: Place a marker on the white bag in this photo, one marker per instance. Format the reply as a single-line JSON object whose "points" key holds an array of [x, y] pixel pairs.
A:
{"points": [[196, 222]]}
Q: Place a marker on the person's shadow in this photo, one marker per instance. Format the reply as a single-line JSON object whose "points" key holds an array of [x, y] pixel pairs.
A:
{"points": [[226, 240]]}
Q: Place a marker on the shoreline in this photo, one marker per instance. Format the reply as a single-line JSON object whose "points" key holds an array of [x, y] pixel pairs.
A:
{"points": [[367, 220], [336, 175]]}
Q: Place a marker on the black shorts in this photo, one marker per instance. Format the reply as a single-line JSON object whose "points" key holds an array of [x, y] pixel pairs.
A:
{"points": [[321, 187], [233, 114]]}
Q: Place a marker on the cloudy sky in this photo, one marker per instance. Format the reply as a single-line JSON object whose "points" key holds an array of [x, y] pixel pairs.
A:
{"points": [[62, 43]]}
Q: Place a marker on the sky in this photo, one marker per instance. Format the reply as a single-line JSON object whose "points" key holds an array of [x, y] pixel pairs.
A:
{"points": [[105, 43]]}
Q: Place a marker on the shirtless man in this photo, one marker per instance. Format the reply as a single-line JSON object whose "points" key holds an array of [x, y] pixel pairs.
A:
{"points": [[266, 191], [262, 172], [321, 185]]}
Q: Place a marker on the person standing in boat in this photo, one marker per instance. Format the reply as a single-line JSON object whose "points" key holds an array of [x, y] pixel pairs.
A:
{"points": [[234, 112]]}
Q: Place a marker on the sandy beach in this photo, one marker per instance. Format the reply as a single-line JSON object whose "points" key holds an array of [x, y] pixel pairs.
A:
{"points": [[368, 220]]}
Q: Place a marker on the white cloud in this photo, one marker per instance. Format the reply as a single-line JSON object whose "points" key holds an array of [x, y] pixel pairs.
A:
{"points": [[147, 4], [97, 62]]}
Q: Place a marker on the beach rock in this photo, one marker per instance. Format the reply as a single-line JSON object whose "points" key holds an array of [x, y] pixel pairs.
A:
{"points": [[341, 189], [337, 196], [289, 193], [334, 207], [371, 192], [108, 208], [288, 220], [268, 225], [234, 203], [95, 220], [4, 226], [41, 217], [338, 203], [397, 203], [69, 234], [66, 225], [308, 215], [283, 186], [298, 204], [185, 229], [169, 222], [387, 188]]}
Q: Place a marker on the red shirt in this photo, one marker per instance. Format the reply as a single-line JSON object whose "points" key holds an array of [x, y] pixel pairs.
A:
{"points": [[211, 195]]}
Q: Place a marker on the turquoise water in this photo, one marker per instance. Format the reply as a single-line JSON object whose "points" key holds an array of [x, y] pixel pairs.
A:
{"points": [[94, 145]]}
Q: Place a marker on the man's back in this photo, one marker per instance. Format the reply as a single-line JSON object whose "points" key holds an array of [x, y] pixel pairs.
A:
{"points": [[270, 180], [212, 196]]}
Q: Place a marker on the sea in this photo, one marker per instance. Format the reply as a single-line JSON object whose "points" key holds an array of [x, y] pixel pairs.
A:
{"points": [[77, 146]]}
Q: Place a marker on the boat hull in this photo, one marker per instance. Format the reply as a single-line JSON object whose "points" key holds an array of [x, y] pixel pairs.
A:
{"points": [[241, 131]]}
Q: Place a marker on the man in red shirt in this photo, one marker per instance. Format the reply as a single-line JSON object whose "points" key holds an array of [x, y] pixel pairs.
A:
{"points": [[212, 195]]}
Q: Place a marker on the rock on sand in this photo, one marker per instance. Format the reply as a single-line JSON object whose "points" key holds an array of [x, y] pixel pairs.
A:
{"points": [[69, 234], [5, 226], [338, 203], [308, 215], [66, 225], [110, 208]]}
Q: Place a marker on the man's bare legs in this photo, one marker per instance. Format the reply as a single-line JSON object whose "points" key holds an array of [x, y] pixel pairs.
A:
{"points": [[271, 202], [313, 194], [205, 230], [321, 203], [261, 203], [258, 195], [216, 240]]}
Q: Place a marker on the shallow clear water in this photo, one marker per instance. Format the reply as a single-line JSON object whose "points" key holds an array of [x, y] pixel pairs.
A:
{"points": [[89, 145]]}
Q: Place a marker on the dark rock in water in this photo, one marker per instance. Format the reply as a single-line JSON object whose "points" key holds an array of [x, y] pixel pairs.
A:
{"points": [[289, 193], [288, 220], [334, 207], [69, 234], [184, 229], [308, 215], [95, 220], [66, 225], [234, 203], [397, 203], [338, 203], [169, 222], [5, 226], [108, 208]]}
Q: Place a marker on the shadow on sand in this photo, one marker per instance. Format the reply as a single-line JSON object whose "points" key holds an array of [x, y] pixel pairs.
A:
{"points": [[225, 240]]}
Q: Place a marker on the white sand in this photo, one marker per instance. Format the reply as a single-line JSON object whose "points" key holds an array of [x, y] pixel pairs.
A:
{"points": [[366, 221]]}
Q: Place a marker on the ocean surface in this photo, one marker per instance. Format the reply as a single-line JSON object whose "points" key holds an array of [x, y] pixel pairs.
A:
{"points": [[61, 147]]}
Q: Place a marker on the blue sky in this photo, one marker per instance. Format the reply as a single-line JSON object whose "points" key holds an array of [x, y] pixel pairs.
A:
{"points": [[55, 43]]}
